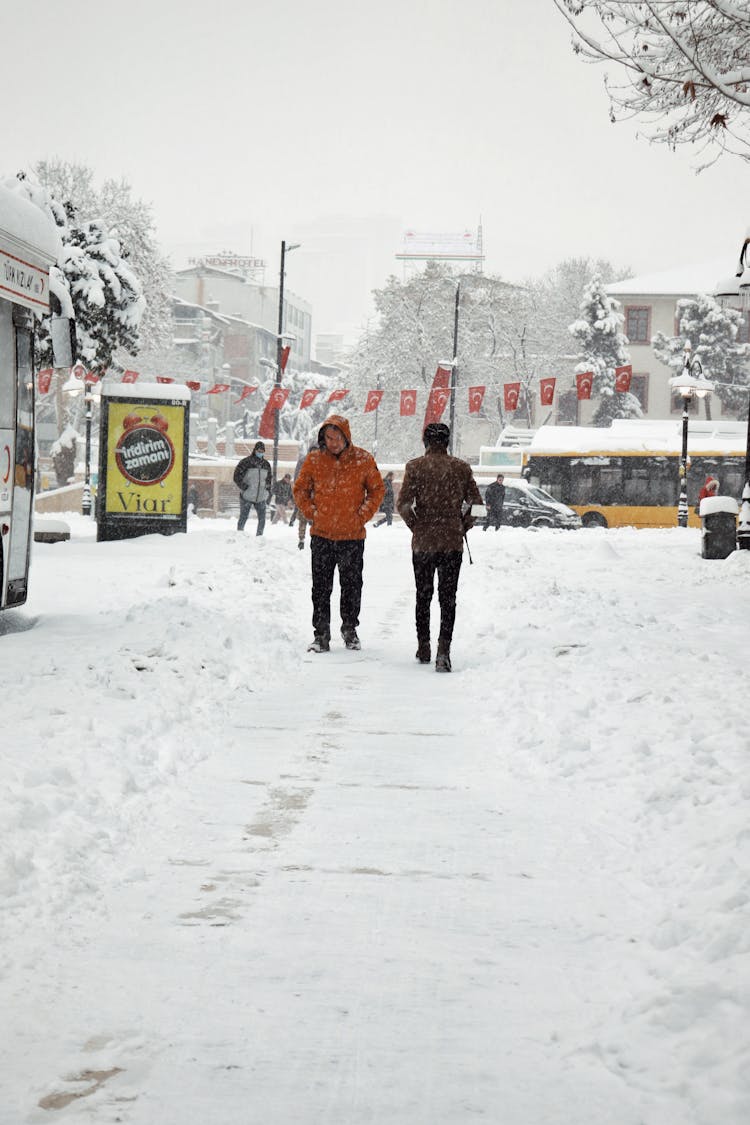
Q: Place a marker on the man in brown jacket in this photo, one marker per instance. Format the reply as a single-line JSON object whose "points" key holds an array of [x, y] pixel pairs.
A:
{"points": [[433, 503]]}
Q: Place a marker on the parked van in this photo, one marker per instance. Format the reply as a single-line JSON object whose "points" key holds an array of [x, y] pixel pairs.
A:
{"points": [[528, 505]]}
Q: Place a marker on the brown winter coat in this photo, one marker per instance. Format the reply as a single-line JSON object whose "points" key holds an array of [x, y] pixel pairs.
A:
{"points": [[433, 494], [338, 495]]}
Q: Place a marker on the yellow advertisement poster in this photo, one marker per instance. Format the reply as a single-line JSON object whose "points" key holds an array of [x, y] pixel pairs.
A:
{"points": [[145, 457]]}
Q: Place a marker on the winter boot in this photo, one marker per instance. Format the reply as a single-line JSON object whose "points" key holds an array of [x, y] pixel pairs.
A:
{"points": [[443, 658], [301, 545], [424, 656], [320, 643], [351, 640]]}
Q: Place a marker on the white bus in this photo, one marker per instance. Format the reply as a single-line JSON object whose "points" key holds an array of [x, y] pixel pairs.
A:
{"points": [[29, 245]]}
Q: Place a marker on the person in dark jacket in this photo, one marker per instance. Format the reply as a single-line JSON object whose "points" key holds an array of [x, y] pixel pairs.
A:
{"points": [[435, 503], [282, 494], [494, 499], [387, 506], [252, 476]]}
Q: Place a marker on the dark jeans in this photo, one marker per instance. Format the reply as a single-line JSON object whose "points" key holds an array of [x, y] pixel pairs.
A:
{"points": [[494, 519], [245, 506], [348, 556], [448, 566]]}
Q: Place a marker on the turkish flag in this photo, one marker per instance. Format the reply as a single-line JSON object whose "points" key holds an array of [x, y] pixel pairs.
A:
{"points": [[511, 391], [217, 389], [547, 391], [91, 377], [44, 380], [476, 398], [623, 375], [308, 398], [408, 403], [285, 357], [276, 400], [336, 396], [438, 396], [78, 370], [373, 401], [584, 380], [246, 391], [193, 385], [163, 379], [129, 376]]}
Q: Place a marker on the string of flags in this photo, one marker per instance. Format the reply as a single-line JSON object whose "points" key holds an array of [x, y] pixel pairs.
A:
{"points": [[437, 398]]}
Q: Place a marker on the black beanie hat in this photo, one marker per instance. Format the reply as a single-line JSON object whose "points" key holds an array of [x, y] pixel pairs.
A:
{"points": [[437, 433], [259, 445]]}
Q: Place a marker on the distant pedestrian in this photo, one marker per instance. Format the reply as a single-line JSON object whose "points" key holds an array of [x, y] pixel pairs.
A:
{"points": [[296, 513], [192, 499], [282, 494], [494, 499], [387, 506], [339, 488], [710, 488], [435, 503], [252, 476]]}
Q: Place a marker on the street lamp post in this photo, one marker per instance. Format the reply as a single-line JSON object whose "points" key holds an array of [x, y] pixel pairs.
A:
{"points": [[689, 384], [86, 495], [286, 248], [728, 290], [454, 369]]}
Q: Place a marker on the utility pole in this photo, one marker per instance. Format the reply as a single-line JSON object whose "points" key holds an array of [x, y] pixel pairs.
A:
{"points": [[454, 371]]}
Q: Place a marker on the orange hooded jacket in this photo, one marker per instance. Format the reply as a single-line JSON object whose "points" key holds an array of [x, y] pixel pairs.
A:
{"points": [[338, 494]]}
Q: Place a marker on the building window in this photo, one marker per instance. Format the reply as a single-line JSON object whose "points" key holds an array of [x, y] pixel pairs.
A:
{"points": [[638, 324], [743, 329], [639, 388]]}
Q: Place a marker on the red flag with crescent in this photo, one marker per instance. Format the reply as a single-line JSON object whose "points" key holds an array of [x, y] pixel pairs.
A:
{"points": [[308, 397], [476, 398], [193, 384], [91, 377], [217, 389], [285, 357], [511, 392], [408, 403], [44, 380], [246, 392], [78, 370], [373, 401], [164, 379], [276, 400], [623, 375], [129, 376], [584, 381], [438, 396], [547, 390], [336, 396]]}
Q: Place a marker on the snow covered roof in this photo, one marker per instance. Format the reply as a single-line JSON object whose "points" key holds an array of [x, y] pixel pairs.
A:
{"points": [[678, 282], [31, 230], [146, 391], [659, 436]]}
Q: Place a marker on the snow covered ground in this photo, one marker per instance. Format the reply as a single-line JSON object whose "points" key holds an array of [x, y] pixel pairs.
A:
{"points": [[243, 884]]}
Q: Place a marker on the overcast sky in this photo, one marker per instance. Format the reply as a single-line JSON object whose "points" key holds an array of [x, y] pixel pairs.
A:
{"points": [[246, 120]]}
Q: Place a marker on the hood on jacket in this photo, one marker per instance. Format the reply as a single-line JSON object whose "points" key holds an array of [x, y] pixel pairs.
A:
{"points": [[341, 423]]}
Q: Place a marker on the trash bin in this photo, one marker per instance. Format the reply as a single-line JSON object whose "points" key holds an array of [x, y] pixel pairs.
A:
{"points": [[718, 526]]}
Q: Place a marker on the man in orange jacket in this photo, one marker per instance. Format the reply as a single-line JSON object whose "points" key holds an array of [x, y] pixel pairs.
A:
{"points": [[339, 488]]}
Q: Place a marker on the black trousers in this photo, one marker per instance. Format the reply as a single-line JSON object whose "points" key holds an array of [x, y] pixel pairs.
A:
{"points": [[494, 519], [348, 556], [448, 566], [245, 507]]}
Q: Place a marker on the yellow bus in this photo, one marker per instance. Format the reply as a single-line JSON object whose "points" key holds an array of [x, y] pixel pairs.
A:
{"points": [[628, 474]]}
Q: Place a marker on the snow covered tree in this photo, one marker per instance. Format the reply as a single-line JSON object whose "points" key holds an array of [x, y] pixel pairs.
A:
{"points": [[685, 64], [106, 296], [712, 333], [602, 348], [130, 221]]}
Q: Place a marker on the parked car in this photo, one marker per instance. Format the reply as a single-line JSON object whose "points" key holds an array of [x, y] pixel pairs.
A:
{"points": [[528, 505]]}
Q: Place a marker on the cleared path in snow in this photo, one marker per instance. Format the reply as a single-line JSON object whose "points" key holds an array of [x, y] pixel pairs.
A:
{"points": [[372, 900]]}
